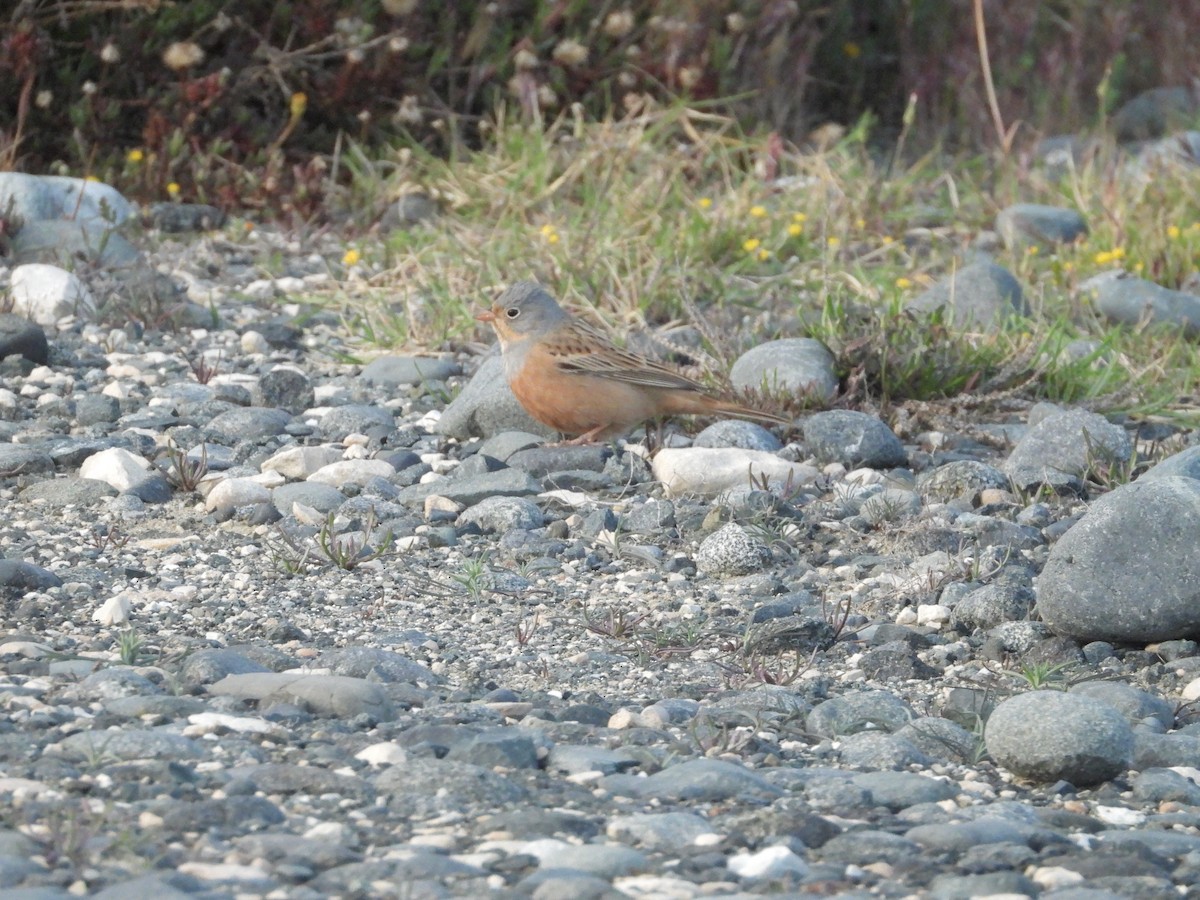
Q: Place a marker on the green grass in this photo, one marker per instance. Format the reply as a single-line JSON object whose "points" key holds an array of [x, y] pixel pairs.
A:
{"points": [[665, 216]]}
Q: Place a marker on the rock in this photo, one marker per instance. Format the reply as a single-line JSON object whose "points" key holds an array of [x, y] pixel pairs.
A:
{"points": [[708, 780], [410, 209], [859, 711], [352, 472], [737, 433], [47, 293], [394, 371], [62, 243], [1154, 112], [356, 418], [472, 489], [69, 492], [127, 472], [991, 605], [20, 337], [691, 470], [852, 438], [18, 577], [486, 406], [130, 744], [33, 197], [329, 695], [247, 424], [1032, 223], [502, 514], [1186, 463], [297, 463], [1128, 300], [1127, 571], [96, 409], [966, 478], [179, 217], [1063, 447], [979, 294], [770, 862], [731, 551], [287, 388], [670, 832], [800, 367], [1049, 736], [18, 459]]}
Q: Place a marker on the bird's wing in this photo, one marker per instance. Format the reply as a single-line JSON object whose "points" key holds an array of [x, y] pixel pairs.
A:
{"points": [[579, 349]]}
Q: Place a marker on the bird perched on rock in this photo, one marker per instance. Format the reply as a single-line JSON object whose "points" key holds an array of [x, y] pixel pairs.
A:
{"points": [[569, 376]]}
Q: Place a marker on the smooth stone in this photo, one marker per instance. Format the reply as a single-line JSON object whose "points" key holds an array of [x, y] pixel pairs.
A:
{"points": [[1152, 750], [473, 489], [496, 747], [247, 424], [692, 470], [96, 409], [1128, 300], [899, 790], [18, 577], [287, 388], [768, 863], [323, 498], [352, 472], [858, 711], [1161, 785], [209, 665], [501, 514], [236, 493], [486, 406], [63, 243], [979, 294], [958, 837], [1128, 571], [46, 293], [180, 217], [1136, 705], [1186, 463], [801, 367], [989, 884], [297, 463], [880, 752], [1061, 447], [356, 418], [868, 846], [1153, 113], [130, 744], [1034, 223], [990, 605], [20, 337], [576, 759], [731, 551], [853, 438], [605, 861], [666, 831], [942, 739], [740, 434], [34, 197], [707, 780], [21, 459], [393, 371], [960, 478], [1048, 736], [327, 695], [377, 665]]}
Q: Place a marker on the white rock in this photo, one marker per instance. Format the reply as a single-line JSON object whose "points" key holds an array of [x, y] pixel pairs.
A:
{"points": [[114, 611], [385, 753], [297, 463], [253, 342], [1191, 691], [236, 492], [933, 614], [352, 471], [116, 467], [710, 470], [772, 862], [47, 293]]}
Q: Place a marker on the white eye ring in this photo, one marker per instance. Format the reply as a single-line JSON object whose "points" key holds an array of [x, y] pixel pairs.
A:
{"points": [[512, 312]]}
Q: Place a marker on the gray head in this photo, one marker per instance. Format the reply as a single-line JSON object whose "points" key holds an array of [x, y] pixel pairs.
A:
{"points": [[526, 309]]}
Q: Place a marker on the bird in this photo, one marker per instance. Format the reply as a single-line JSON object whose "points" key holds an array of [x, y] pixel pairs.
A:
{"points": [[571, 377]]}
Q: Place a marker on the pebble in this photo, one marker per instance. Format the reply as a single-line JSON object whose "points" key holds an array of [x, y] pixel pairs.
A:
{"points": [[980, 293]]}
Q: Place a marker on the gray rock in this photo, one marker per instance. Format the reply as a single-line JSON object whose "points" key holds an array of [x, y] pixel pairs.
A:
{"points": [[868, 847], [496, 747], [1154, 112], [33, 197], [211, 665], [247, 424], [393, 371], [486, 407], [573, 759], [1152, 750], [880, 752], [979, 294], [731, 551], [1049, 736], [287, 388], [502, 514], [1128, 300], [961, 478], [130, 744], [69, 492], [325, 695], [859, 711], [1135, 705], [177, 217], [20, 337], [894, 661], [378, 665], [602, 860], [410, 209], [423, 788], [736, 433], [667, 831], [18, 577], [707, 780], [1032, 223], [958, 837], [96, 409], [473, 489], [988, 884], [653, 517], [852, 438], [1063, 447], [1156, 785], [62, 243], [799, 366], [1186, 463], [991, 605], [355, 418], [900, 790], [324, 498], [1128, 570], [21, 459], [942, 739]]}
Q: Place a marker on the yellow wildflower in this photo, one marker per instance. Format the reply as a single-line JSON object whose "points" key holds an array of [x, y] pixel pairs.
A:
{"points": [[799, 217], [351, 257], [764, 254], [751, 244], [704, 202], [795, 229], [1173, 231], [135, 156], [298, 104], [173, 189], [852, 50], [833, 240], [758, 211], [903, 283]]}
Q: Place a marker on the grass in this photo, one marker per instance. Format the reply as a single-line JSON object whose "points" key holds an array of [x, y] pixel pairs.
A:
{"points": [[661, 217]]}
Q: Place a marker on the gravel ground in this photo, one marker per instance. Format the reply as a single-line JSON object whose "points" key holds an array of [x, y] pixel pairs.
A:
{"points": [[557, 678]]}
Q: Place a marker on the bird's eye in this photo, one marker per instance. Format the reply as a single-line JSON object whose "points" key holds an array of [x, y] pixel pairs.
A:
{"points": [[512, 312]]}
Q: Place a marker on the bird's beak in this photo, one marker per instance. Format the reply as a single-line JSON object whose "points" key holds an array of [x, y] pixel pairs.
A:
{"points": [[488, 315]]}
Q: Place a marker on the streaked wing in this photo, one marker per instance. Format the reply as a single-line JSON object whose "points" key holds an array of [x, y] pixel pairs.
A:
{"points": [[582, 350]]}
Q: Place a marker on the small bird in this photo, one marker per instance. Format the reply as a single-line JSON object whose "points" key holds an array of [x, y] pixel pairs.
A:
{"points": [[569, 376]]}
